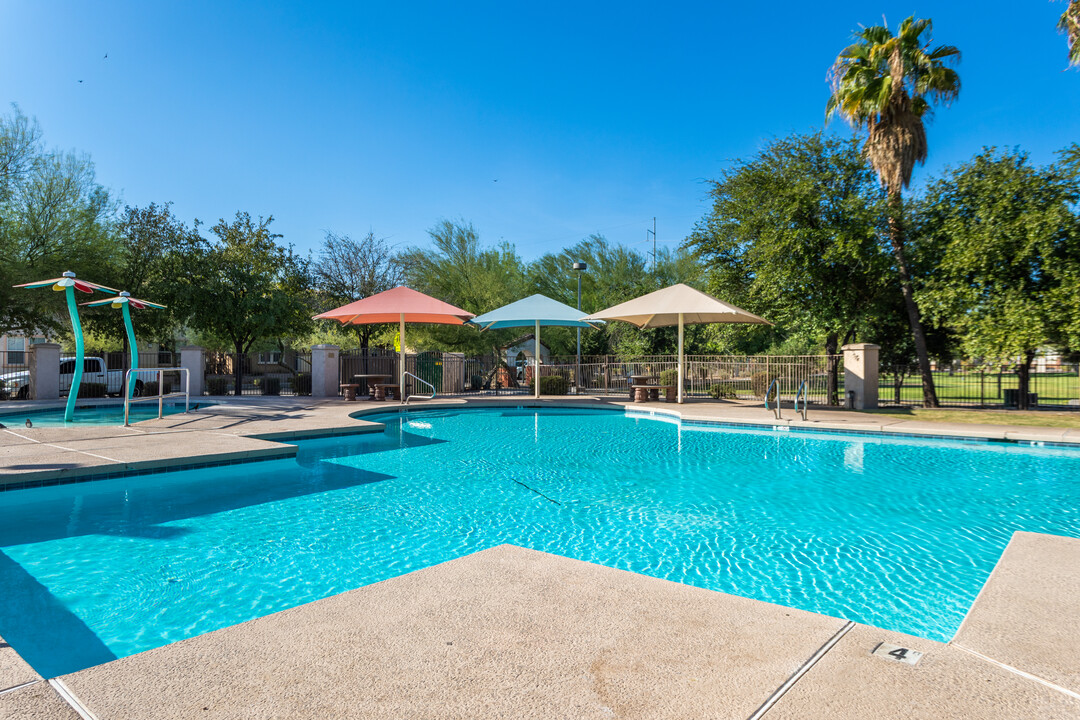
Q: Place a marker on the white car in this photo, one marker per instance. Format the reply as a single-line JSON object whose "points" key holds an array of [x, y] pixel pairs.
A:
{"points": [[16, 385]]}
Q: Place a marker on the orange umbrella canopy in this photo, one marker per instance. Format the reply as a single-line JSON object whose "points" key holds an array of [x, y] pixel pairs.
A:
{"points": [[400, 304]]}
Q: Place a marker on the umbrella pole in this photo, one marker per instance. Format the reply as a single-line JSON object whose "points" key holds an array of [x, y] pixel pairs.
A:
{"points": [[536, 359], [680, 380], [401, 357]]}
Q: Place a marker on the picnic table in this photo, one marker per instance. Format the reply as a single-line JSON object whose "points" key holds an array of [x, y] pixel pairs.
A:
{"points": [[370, 380], [646, 392], [641, 380]]}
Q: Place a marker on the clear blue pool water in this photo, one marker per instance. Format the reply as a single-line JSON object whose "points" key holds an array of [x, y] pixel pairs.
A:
{"points": [[89, 415], [897, 533]]}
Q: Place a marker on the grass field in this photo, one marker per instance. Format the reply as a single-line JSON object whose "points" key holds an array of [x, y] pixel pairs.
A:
{"points": [[1030, 418], [971, 387]]}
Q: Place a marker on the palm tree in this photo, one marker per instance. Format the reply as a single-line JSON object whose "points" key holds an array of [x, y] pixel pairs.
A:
{"points": [[1070, 25], [885, 84]]}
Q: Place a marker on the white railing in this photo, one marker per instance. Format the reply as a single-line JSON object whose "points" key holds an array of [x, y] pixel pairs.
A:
{"points": [[130, 375], [405, 400]]}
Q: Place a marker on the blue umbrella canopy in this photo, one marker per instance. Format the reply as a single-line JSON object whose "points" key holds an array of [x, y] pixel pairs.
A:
{"points": [[530, 311], [535, 310]]}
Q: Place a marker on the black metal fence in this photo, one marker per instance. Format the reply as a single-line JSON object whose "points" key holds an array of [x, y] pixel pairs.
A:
{"points": [[1054, 385], [721, 377], [14, 374], [735, 377], [266, 373]]}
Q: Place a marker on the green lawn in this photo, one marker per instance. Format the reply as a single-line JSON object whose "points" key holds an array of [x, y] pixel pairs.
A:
{"points": [[984, 388], [1030, 418]]}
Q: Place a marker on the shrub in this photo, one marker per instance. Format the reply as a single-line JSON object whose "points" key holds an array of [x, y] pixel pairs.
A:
{"points": [[669, 376], [760, 382], [722, 392], [476, 382], [552, 385], [92, 390], [271, 386], [302, 384], [217, 386]]}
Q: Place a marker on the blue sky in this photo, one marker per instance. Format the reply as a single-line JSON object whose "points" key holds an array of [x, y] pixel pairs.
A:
{"points": [[591, 117]]}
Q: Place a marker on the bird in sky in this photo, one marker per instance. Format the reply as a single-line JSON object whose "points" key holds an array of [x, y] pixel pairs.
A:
{"points": [[106, 56]]}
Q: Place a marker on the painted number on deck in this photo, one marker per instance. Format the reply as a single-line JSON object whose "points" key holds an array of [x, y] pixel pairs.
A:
{"points": [[897, 653]]}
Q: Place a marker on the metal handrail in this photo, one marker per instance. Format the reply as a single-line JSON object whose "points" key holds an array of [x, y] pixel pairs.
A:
{"points": [[802, 393], [405, 400], [774, 384], [160, 397]]}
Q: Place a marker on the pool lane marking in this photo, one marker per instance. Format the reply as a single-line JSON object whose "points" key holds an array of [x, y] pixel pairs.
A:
{"points": [[69, 697], [780, 691], [1017, 671], [537, 492]]}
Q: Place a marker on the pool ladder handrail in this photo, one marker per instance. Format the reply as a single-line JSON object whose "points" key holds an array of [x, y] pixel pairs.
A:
{"points": [[802, 393], [132, 375], [405, 400], [776, 410]]}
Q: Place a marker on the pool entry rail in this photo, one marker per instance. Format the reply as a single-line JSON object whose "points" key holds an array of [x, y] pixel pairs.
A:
{"points": [[776, 410], [405, 399], [805, 401], [129, 384]]}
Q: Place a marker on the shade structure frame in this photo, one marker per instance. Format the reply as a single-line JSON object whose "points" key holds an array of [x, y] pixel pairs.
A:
{"points": [[677, 305], [399, 305], [533, 311]]}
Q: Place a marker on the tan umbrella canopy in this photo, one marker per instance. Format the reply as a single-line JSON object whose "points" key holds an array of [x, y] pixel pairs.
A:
{"points": [[399, 305], [677, 305]]}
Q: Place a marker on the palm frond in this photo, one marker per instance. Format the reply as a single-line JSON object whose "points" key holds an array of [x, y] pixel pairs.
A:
{"points": [[1070, 25]]}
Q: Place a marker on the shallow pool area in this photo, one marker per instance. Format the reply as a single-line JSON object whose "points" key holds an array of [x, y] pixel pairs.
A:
{"points": [[89, 415], [900, 533]]}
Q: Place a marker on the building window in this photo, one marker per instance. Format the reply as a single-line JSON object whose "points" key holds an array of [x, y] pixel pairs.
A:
{"points": [[16, 351], [270, 358]]}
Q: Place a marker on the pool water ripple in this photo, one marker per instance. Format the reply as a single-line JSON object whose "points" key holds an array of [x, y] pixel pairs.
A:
{"points": [[898, 533]]}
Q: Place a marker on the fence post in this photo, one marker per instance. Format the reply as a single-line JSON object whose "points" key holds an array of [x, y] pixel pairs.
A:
{"points": [[861, 374], [45, 371], [324, 370], [191, 358]]}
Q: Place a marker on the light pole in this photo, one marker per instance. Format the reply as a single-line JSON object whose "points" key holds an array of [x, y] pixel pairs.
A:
{"points": [[579, 266]]}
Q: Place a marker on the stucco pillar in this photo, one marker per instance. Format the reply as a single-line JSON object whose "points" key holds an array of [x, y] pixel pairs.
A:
{"points": [[45, 371], [861, 374], [193, 359], [324, 370]]}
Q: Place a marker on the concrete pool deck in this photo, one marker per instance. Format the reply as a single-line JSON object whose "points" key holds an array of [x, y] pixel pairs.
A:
{"points": [[536, 635], [510, 632]]}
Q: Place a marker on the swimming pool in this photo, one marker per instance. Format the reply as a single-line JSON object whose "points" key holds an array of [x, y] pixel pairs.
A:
{"points": [[898, 533], [112, 414]]}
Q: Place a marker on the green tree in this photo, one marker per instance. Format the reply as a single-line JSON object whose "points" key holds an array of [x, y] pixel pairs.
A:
{"points": [[349, 270], [1007, 233], [885, 84], [794, 235], [153, 249], [459, 270], [54, 216], [243, 286]]}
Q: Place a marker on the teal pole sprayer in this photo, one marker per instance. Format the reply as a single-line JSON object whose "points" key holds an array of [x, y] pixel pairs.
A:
{"points": [[68, 284], [125, 302]]}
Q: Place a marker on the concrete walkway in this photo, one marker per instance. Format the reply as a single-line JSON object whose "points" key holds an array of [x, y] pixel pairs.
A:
{"points": [[515, 633]]}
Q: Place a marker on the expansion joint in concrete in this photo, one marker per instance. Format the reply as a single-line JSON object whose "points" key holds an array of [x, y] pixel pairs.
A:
{"points": [[69, 697], [1017, 671], [780, 691]]}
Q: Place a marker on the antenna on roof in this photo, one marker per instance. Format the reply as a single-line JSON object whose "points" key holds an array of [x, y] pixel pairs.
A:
{"points": [[653, 231]]}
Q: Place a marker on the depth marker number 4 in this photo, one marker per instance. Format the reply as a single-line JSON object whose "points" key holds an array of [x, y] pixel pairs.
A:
{"points": [[896, 653]]}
